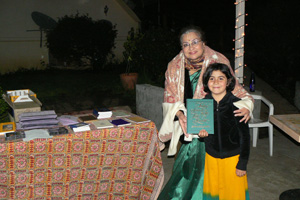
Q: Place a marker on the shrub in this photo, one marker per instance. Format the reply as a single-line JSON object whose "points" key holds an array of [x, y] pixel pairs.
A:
{"points": [[150, 52], [130, 47], [82, 41], [3, 108]]}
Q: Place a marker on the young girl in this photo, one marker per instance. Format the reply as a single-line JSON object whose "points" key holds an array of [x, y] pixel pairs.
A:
{"points": [[227, 150]]}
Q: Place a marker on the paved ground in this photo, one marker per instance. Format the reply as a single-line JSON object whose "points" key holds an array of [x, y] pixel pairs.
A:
{"points": [[268, 176]]}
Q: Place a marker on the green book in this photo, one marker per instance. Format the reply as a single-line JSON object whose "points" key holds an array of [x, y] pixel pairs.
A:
{"points": [[200, 115]]}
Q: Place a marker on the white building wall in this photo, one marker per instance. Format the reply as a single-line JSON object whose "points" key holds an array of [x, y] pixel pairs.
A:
{"points": [[21, 48]]}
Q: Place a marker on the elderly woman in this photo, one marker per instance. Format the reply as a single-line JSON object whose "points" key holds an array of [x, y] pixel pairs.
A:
{"points": [[183, 81]]}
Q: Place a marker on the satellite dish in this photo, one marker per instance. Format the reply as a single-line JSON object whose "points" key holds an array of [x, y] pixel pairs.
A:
{"points": [[44, 22]]}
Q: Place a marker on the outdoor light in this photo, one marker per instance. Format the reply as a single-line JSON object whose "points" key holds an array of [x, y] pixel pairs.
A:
{"points": [[239, 39]]}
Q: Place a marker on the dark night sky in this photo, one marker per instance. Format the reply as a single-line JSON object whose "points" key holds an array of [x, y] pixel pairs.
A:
{"points": [[272, 35], [217, 17], [273, 28]]}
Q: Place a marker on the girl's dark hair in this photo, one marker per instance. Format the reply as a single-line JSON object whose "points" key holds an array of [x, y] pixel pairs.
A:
{"points": [[224, 69]]}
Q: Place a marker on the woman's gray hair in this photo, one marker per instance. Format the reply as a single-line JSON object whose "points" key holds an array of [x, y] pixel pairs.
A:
{"points": [[192, 29]]}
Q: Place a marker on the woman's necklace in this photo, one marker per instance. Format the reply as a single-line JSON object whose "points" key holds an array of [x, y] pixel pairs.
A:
{"points": [[194, 64]]}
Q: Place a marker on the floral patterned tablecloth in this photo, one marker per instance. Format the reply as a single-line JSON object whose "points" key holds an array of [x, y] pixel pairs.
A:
{"points": [[116, 163]]}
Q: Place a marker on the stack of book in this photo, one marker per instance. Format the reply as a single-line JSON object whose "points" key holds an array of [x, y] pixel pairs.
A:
{"points": [[102, 113], [40, 119]]}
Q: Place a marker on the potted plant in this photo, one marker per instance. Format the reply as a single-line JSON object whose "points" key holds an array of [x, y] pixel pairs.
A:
{"points": [[129, 78], [149, 53]]}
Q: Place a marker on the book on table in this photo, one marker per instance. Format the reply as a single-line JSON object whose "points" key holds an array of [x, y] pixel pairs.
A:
{"points": [[66, 120], [120, 113], [102, 113], [14, 135], [81, 126], [58, 131], [87, 118], [200, 115], [104, 123], [7, 127], [120, 122], [137, 119]]}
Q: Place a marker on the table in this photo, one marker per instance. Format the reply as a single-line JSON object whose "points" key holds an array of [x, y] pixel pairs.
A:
{"points": [[116, 163], [290, 124]]}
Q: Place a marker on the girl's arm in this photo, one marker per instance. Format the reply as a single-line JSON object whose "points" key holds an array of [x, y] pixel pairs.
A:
{"points": [[244, 135]]}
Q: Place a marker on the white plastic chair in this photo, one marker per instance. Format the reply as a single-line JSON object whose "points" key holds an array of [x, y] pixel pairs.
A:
{"points": [[256, 123]]}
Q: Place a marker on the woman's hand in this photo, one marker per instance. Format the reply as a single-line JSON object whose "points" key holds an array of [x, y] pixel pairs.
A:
{"points": [[243, 112], [241, 94], [182, 122], [240, 173], [203, 133]]}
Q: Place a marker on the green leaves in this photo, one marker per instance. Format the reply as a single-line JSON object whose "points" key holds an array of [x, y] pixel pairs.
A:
{"points": [[3, 108], [150, 52]]}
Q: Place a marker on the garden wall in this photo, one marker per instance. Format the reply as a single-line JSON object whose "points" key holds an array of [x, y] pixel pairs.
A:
{"points": [[149, 101]]}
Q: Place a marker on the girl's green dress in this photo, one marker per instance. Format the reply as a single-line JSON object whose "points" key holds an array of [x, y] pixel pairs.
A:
{"points": [[186, 181]]}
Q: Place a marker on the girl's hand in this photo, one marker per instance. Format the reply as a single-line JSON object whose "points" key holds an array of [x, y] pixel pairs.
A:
{"points": [[203, 133], [243, 112], [182, 122], [240, 173]]}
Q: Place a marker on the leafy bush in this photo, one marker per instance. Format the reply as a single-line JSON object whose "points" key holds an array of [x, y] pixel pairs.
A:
{"points": [[81, 41], [3, 108], [150, 52], [130, 47]]}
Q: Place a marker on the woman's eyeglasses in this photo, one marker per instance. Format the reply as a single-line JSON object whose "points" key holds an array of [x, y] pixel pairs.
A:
{"points": [[190, 44]]}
